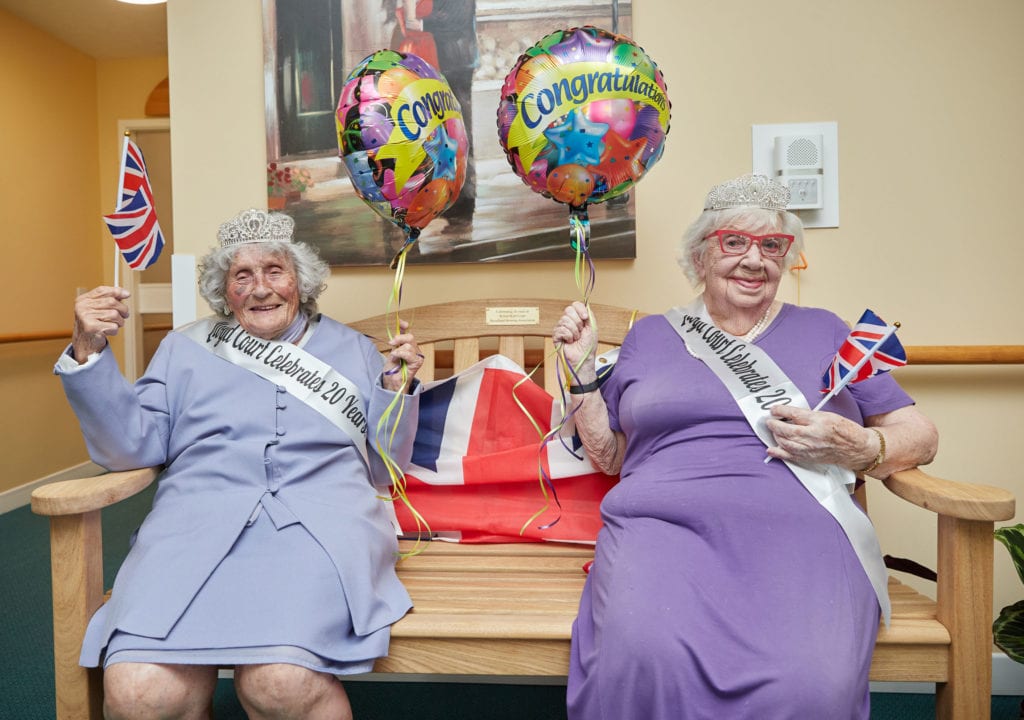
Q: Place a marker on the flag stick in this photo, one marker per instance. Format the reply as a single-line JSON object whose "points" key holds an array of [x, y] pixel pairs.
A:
{"points": [[856, 368], [117, 204]]}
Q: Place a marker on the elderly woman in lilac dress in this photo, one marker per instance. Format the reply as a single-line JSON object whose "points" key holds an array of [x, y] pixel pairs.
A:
{"points": [[268, 547], [734, 575]]}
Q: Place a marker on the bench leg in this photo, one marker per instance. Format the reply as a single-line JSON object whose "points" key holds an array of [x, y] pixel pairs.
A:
{"points": [[76, 570], [965, 560]]}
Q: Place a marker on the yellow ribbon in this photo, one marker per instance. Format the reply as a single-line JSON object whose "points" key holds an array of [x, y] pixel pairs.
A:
{"points": [[397, 407]]}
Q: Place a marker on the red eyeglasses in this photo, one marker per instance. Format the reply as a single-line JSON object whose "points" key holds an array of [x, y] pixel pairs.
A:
{"points": [[737, 242]]}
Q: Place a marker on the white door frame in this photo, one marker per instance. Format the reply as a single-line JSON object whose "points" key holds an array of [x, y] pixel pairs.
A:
{"points": [[132, 331]]}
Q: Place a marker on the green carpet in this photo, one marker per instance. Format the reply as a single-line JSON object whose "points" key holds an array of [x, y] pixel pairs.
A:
{"points": [[26, 656]]}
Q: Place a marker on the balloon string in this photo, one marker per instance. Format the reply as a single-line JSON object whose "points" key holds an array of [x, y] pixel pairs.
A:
{"points": [[563, 371], [547, 486], [579, 234], [584, 273], [396, 407]]}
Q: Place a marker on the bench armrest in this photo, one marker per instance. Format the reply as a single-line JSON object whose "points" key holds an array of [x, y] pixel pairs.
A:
{"points": [[965, 501], [966, 518], [82, 495], [76, 568]]}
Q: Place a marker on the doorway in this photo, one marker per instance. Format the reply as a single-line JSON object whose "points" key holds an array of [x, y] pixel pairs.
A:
{"points": [[150, 319]]}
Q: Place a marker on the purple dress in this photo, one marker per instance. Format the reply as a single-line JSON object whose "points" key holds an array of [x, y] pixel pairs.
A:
{"points": [[720, 587]]}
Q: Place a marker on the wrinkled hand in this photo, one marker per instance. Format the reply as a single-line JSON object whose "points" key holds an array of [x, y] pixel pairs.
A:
{"points": [[807, 436], [99, 314], [576, 335], [403, 350]]}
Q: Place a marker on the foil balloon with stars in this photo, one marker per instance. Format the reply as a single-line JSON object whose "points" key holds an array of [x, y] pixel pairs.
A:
{"points": [[583, 116], [404, 145], [403, 140]]}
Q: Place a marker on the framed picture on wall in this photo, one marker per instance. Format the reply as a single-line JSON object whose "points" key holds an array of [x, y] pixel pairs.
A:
{"points": [[310, 48]]}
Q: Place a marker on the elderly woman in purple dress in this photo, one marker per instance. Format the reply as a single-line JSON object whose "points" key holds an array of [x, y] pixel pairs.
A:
{"points": [[268, 547], [734, 576]]}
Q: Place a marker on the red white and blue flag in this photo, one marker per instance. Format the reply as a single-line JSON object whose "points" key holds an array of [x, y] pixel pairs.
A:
{"points": [[475, 468], [134, 226], [133, 173], [871, 348]]}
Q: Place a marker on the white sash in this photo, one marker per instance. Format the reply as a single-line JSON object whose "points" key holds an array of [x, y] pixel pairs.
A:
{"points": [[304, 376], [757, 383]]}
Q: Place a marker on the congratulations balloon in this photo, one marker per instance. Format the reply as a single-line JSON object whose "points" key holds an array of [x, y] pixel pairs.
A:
{"points": [[583, 115], [401, 135]]}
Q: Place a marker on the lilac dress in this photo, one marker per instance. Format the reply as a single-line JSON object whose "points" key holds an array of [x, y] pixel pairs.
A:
{"points": [[267, 541], [720, 588]]}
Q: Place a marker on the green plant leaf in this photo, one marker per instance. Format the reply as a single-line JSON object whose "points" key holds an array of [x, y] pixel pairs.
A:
{"points": [[1012, 536], [1008, 631]]}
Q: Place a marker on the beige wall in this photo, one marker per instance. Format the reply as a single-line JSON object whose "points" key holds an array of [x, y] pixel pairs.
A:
{"points": [[927, 97], [926, 94], [50, 205], [59, 124]]}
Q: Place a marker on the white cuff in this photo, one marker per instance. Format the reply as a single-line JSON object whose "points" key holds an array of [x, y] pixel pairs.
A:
{"points": [[67, 365]]}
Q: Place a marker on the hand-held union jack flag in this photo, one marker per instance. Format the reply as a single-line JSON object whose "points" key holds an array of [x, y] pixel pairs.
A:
{"points": [[871, 348], [134, 225]]}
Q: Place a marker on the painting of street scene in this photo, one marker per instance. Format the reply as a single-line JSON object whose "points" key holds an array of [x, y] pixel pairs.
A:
{"points": [[310, 48]]}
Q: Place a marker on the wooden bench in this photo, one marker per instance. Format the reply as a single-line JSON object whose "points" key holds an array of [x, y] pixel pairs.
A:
{"points": [[508, 609]]}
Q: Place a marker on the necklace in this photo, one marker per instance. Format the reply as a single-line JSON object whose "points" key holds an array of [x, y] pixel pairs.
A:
{"points": [[758, 326]]}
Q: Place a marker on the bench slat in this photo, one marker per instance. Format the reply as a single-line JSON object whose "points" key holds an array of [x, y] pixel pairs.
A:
{"points": [[552, 626], [489, 598], [525, 548], [910, 663], [469, 564], [476, 657]]}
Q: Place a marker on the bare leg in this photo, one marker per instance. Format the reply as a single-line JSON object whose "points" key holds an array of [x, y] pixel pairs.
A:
{"points": [[146, 691], [290, 692]]}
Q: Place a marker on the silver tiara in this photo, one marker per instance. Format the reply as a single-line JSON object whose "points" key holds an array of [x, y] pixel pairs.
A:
{"points": [[757, 191], [255, 226]]}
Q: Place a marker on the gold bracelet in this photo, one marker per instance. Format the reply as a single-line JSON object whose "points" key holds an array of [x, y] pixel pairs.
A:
{"points": [[880, 457]]}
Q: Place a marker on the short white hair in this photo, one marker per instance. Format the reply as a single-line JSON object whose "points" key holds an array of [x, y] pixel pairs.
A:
{"points": [[312, 273]]}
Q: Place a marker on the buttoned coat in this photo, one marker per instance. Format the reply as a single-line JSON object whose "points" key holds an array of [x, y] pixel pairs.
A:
{"points": [[234, 444]]}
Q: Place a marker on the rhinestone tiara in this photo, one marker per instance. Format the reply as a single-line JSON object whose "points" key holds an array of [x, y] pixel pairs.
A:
{"points": [[255, 226], [757, 191]]}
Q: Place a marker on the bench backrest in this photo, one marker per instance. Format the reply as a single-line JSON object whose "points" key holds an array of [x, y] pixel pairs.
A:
{"points": [[455, 335]]}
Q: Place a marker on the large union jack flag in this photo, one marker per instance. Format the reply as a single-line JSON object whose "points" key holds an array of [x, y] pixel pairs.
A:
{"points": [[474, 475], [134, 226], [871, 348]]}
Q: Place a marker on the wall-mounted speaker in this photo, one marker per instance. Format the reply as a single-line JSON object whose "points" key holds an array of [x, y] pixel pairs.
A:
{"points": [[798, 162]]}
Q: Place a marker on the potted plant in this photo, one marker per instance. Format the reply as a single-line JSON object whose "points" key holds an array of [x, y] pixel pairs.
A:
{"points": [[286, 183], [1008, 629]]}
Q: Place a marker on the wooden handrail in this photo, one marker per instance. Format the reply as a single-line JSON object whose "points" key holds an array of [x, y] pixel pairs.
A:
{"points": [[66, 334], [34, 337], [916, 354], [965, 354]]}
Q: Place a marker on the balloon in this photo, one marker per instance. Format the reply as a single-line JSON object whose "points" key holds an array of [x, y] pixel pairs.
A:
{"points": [[570, 184], [583, 115], [402, 138]]}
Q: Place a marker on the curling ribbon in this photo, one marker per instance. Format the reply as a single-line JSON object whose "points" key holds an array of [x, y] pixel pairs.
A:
{"points": [[397, 406], [584, 273]]}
